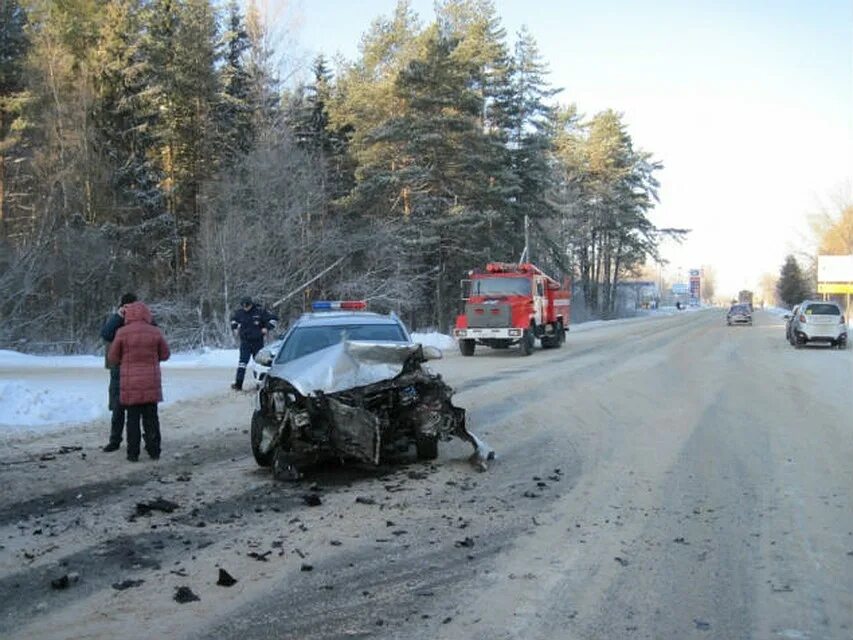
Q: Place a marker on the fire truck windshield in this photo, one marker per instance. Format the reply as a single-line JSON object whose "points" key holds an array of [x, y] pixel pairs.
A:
{"points": [[501, 287]]}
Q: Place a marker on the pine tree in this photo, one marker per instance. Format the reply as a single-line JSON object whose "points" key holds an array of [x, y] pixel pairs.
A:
{"points": [[124, 117], [234, 120], [14, 46], [180, 44], [792, 286]]}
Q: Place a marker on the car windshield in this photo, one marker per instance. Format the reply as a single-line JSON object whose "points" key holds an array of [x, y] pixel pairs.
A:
{"points": [[501, 287], [739, 308], [822, 310], [305, 340]]}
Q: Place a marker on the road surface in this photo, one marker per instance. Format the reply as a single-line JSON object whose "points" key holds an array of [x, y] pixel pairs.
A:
{"points": [[666, 478]]}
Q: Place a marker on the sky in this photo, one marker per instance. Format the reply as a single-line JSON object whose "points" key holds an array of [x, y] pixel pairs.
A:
{"points": [[749, 105]]}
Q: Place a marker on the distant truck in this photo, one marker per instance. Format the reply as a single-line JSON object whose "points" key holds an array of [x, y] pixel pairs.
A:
{"points": [[745, 297], [509, 304]]}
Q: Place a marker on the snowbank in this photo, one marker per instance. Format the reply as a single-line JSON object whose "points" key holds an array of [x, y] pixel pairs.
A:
{"points": [[434, 339], [43, 393], [24, 404]]}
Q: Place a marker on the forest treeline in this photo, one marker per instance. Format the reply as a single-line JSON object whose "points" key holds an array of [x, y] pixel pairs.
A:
{"points": [[149, 145]]}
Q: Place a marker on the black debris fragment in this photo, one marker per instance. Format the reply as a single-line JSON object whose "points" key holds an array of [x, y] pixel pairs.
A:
{"points": [[467, 543], [312, 500], [447, 620], [365, 500], [306, 567], [702, 625], [127, 584], [184, 595], [225, 579], [531, 494], [335, 543], [61, 582], [621, 561], [160, 504], [680, 540], [260, 557]]}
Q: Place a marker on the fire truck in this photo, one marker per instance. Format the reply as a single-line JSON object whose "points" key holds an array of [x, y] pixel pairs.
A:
{"points": [[511, 304]]}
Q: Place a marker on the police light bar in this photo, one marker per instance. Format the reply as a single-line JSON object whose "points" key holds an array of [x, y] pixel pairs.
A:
{"points": [[339, 305]]}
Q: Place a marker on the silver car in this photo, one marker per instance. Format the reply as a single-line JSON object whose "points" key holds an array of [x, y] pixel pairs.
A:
{"points": [[818, 321], [345, 383], [739, 314]]}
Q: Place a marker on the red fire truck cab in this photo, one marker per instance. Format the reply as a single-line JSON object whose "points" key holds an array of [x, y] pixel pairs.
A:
{"points": [[510, 304]]}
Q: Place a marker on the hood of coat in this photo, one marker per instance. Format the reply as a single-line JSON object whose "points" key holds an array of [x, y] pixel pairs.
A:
{"points": [[137, 312]]}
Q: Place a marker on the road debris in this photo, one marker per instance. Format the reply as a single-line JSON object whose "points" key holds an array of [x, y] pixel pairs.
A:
{"points": [[225, 579], [159, 504], [184, 595], [65, 581], [127, 584]]}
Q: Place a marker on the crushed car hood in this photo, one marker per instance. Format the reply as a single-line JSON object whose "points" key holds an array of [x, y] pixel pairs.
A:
{"points": [[345, 365]]}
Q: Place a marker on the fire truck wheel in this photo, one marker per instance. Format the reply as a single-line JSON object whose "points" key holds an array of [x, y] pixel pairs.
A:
{"points": [[467, 347], [525, 345], [427, 447]]}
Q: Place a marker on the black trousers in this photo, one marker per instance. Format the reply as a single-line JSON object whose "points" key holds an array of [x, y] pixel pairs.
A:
{"points": [[118, 411], [151, 425], [247, 348]]}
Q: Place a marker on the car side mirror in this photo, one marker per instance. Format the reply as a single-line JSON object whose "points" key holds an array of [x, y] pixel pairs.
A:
{"points": [[264, 358], [432, 353], [787, 316]]}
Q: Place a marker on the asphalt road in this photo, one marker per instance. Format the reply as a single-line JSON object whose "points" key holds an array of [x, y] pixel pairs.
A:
{"points": [[666, 478]]}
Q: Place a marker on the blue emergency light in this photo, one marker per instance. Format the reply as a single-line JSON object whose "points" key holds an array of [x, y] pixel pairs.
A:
{"points": [[338, 305]]}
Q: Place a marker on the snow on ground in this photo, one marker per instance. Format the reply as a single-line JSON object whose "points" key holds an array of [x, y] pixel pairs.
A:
{"points": [[43, 393], [434, 339]]}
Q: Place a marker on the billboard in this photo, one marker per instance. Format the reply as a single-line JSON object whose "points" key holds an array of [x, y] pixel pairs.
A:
{"points": [[835, 268], [695, 283], [680, 289]]}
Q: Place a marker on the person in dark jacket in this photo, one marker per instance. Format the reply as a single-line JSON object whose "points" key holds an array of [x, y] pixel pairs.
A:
{"points": [[139, 348], [108, 333], [251, 323]]}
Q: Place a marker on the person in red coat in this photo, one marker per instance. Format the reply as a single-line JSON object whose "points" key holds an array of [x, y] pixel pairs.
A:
{"points": [[138, 349]]}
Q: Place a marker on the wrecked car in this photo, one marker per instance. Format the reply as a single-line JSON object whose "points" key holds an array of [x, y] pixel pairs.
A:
{"points": [[351, 385]]}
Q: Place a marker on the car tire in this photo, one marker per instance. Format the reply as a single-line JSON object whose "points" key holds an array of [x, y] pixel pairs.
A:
{"points": [[427, 447], [263, 458], [467, 347], [525, 345]]}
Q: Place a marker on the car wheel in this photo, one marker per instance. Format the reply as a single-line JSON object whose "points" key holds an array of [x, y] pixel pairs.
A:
{"points": [[283, 468], [525, 345], [427, 447], [467, 346], [263, 458]]}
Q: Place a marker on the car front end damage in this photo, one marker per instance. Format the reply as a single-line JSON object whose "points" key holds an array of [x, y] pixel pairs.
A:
{"points": [[368, 402]]}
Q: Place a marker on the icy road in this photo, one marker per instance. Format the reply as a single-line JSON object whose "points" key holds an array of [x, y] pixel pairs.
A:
{"points": [[667, 478]]}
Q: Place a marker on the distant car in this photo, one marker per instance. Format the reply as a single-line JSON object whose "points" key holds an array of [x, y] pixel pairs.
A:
{"points": [[349, 384], [818, 321], [739, 314], [789, 322]]}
